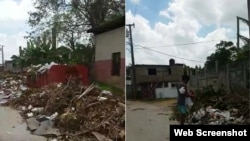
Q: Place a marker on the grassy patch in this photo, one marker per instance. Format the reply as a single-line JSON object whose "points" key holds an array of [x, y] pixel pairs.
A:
{"points": [[109, 87]]}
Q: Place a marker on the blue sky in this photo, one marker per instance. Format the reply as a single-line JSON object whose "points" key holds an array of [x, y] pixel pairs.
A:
{"points": [[150, 10], [173, 22], [157, 23]]}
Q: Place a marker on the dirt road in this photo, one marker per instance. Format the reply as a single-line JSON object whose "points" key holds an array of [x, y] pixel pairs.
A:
{"points": [[12, 127], [148, 121]]}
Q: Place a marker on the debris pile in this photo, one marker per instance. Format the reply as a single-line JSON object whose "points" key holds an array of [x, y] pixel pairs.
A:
{"points": [[11, 88], [40, 68], [76, 110], [218, 108], [213, 116]]}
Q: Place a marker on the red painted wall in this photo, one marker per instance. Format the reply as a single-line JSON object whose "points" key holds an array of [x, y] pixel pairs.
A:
{"points": [[60, 74], [103, 73]]}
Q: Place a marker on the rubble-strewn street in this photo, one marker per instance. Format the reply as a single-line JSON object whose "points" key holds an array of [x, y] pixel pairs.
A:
{"points": [[68, 111]]}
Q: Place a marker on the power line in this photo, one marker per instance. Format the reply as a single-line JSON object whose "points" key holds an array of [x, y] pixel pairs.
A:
{"points": [[173, 55], [183, 44]]}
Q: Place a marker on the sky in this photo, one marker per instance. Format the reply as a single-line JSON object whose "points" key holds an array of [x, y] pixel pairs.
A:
{"points": [[185, 30], [13, 25]]}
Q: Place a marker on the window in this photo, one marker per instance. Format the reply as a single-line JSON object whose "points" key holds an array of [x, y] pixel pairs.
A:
{"points": [[193, 72], [13, 65], [169, 71], [173, 85], [116, 61], [152, 71]]}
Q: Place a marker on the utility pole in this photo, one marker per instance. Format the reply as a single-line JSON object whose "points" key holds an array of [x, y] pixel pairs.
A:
{"points": [[2, 56], [205, 69], [238, 33], [134, 82], [228, 79], [248, 7]]}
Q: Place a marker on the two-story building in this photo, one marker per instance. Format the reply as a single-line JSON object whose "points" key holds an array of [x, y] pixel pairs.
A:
{"points": [[151, 77]]}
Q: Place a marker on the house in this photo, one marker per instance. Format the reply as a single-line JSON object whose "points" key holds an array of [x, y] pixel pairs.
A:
{"points": [[10, 67], [151, 77], [110, 52]]}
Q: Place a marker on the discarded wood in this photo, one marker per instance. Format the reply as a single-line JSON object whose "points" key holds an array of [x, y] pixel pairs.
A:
{"points": [[87, 91], [92, 104], [69, 80], [101, 137], [121, 104]]}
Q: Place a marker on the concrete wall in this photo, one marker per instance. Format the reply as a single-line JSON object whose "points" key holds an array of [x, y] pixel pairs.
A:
{"points": [[166, 92], [107, 43], [162, 74]]}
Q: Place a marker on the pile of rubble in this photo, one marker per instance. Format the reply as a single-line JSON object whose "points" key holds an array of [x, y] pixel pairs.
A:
{"points": [[218, 108], [34, 69], [211, 116], [68, 111], [11, 88]]}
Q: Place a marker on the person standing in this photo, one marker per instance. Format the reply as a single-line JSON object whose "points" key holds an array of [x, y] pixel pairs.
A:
{"points": [[182, 91]]}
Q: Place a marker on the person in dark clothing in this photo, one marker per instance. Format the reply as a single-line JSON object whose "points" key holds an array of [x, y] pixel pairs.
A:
{"points": [[182, 95]]}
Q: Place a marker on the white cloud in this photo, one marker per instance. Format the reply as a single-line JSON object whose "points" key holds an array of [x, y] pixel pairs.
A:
{"points": [[187, 18], [13, 17], [135, 1], [207, 12], [13, 10], [11, 44]]}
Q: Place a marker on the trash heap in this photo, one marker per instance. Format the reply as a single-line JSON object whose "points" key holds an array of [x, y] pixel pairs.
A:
{"points": [[218, 108], [11, 88], [71, 111], [33, 69], [212, 116]]}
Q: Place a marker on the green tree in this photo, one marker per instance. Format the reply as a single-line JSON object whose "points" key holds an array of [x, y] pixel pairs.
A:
{"points": [[68, 18], [243, 54], [225, 52]]}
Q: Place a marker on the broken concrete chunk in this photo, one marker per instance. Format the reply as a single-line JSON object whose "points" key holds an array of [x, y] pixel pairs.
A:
{"points": [[46, 129], [52, 117], [30, 114], [23, 88], [23, 108], [37, 109], [100, 98], [30, 107], [106, 92], [3, 101], [41, 118], [32, 124]]}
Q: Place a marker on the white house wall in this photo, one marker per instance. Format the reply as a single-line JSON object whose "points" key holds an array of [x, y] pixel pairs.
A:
{"points": [[110, 42]]}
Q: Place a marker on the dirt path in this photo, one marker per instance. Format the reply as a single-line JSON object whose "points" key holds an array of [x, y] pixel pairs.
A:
{"points": [[12, 127], [148, 121]]}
